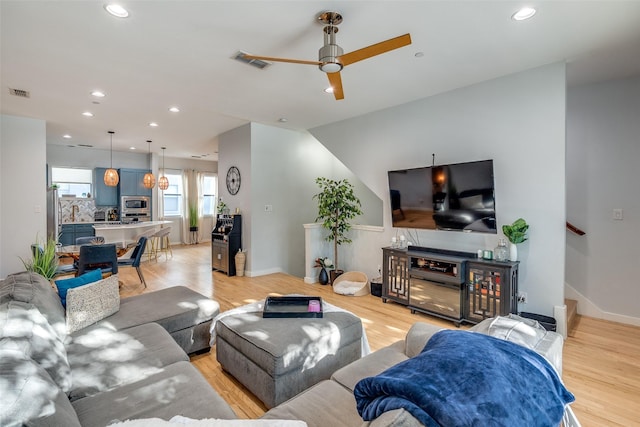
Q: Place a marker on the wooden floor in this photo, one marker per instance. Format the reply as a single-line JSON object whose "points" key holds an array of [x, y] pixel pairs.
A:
{"points": [[601, 359]]}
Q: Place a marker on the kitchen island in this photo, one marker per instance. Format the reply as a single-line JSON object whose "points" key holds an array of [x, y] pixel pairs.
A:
{"points": [[127, 233]]}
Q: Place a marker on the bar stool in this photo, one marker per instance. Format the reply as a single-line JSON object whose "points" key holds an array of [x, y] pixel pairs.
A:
{"points": [[160, 243]]}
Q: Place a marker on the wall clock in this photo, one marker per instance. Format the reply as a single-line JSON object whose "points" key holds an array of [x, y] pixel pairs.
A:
{"points": [[233, 180]]}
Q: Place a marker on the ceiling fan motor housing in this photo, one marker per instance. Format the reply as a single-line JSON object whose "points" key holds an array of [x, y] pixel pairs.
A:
{"points": [[329, 53]]}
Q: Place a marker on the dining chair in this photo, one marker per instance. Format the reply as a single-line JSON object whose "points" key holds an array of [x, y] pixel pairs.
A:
{"points": [[93, 257], [134, 259], [89, 240]]}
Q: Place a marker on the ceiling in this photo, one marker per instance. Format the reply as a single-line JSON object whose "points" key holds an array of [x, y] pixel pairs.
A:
{"points": [[178, 53]]}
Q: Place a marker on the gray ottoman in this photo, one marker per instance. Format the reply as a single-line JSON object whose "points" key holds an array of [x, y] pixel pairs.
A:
{"points": [[277, 358]]}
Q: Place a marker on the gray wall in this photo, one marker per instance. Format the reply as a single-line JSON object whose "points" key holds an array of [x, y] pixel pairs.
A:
{"points": [[603, 151], [519, 122], [23, 209]]}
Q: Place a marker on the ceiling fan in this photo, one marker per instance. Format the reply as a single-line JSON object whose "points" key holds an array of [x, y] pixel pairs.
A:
{"points": [[331, 58]]}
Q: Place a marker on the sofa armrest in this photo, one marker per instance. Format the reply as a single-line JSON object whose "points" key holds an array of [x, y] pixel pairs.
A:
{"points": [[417, 337], [395, 418]]}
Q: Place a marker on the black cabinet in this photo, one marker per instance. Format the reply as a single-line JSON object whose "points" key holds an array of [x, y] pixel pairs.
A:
{"points": [[492, 289], [452, 285], [226, 241], [131, 183], [102, 193]]}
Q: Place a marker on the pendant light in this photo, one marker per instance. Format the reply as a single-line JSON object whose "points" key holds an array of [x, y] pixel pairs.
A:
{"points": [[111, 177], [149, 180], [163, 182]]}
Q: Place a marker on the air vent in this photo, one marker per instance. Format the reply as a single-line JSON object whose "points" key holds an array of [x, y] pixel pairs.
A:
{"points": [[258, 63], [85, 145], [19, 92]]}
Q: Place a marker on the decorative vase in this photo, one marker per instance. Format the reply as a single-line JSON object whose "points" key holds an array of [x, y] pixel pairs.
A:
{"points": [[240, 259], [501, 253], [323, 278], [513, 252]]}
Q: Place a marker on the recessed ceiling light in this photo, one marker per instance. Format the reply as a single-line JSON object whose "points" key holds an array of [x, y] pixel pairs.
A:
{"points": [[98, 94], [116, 10], [153, 124], [66, 136], [419, 54], [87, 114], [329, 89], [132, 148], [174, 109], [524, 13], [282, 120]]}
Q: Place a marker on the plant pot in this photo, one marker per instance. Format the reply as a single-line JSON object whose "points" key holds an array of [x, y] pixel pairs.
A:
{"points": [[193, 228], [323, 278], [333, 274], [513, 252]]}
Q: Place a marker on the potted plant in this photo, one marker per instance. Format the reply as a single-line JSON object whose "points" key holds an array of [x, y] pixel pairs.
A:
{"points": [[337, 205], [44, 259], [516, 233], [193, 217], [222, 207]]}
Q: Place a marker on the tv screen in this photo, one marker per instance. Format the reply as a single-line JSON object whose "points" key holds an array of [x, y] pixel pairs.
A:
{"points": [[457, 196]]}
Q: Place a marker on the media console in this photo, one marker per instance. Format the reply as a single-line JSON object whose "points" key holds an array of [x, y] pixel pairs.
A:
{"points": [[452, 285]]}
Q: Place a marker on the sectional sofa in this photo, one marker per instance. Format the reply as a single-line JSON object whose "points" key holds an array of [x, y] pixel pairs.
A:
{"points": [[132, 365]]}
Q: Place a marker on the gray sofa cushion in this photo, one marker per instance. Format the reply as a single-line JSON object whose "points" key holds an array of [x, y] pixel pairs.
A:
{"points": [[177, 389], [29, 396], [370, 365], [102, 359], [395, 418], [25, 330], [174, 308], [417, 337], [325, 404], [34, 289]]}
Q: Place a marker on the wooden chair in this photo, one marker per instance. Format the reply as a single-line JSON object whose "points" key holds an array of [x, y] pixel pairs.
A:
{"points": [[103, 257], [135, 258]]}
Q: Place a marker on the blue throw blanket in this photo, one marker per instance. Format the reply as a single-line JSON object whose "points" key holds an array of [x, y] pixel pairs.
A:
{"points": [[468, 379]]}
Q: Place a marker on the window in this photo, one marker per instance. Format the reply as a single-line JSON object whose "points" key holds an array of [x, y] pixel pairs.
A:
{"points": [[72, 181], [209, 194], [172, 196]]}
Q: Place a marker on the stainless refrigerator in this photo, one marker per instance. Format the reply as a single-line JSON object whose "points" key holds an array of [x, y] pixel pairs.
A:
{"points": [[53, 214]]}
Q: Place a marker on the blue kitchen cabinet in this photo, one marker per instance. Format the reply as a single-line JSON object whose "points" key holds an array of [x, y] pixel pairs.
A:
{"points": [[131, 183], [103, 194]]}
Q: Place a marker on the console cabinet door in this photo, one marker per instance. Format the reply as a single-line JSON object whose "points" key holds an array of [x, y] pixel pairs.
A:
{"points": [[395, 276], [492, 289]]}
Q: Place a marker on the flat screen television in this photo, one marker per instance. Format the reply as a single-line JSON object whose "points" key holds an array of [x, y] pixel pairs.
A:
{"points": [[458, 196]]}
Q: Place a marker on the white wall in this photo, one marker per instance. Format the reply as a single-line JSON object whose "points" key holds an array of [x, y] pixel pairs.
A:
{"points": [[519, 122], [23, 206], [603, 151]]}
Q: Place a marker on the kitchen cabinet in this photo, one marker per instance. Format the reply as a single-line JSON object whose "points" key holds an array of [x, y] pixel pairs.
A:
{"points": [[131, 182], [70, 232], [103, 194]]}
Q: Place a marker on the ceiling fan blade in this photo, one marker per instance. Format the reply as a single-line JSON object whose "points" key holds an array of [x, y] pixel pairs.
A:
{"points": [[375, 49], [336, 83], [294, 61]]}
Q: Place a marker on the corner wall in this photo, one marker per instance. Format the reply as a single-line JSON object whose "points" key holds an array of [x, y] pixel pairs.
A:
{"points": [[603, 150], [519, 122], [23, 180]]}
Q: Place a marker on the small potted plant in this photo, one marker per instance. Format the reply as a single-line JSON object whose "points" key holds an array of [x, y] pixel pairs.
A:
{"points": [[323, 263], [516, 233], [222, 207], [44, 259]]}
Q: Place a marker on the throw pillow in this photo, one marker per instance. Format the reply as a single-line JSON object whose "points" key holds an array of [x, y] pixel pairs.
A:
{"points": [[64, 285], [89, 303]]}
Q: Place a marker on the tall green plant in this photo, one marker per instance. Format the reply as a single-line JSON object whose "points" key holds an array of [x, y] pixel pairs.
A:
{"points": [[44, 260], [337, 205], [193, 215]]}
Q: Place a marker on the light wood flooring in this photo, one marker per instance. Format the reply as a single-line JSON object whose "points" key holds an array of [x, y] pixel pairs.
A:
{"points": [[601, 359]]}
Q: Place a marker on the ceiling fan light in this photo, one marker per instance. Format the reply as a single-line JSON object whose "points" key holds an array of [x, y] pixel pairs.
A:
{"points": [[331, 67]]}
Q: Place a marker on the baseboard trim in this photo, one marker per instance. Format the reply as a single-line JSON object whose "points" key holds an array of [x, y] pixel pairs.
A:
{"points": [[588, 308]]}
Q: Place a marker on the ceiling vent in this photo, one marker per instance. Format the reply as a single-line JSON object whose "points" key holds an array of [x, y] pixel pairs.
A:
{"points": [[85, 145], [258, 63], [19, 92]]}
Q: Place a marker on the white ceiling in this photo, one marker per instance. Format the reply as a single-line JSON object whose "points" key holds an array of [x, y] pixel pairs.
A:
{"points": [[178, 53]]}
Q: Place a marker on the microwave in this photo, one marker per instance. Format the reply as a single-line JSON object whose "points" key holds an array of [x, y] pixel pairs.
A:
{"points": [[135, 204]]}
